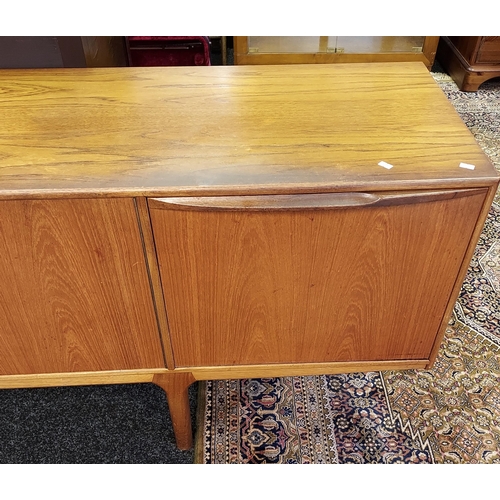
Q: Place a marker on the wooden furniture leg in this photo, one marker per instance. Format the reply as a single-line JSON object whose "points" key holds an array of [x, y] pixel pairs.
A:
{"points": [[176, 387]]}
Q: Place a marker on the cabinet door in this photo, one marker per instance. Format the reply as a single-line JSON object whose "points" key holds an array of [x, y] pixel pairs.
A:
{"points": [[310, 278], [75, 294]]}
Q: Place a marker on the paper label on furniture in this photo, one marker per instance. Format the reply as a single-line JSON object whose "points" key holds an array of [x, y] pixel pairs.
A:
{"points": [[468, 166], [385, 164]]}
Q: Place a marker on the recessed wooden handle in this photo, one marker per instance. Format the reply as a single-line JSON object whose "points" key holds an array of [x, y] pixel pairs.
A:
{"points": [[319, 201]]}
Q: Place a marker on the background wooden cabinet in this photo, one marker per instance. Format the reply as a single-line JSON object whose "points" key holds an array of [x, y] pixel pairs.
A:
{"points": [[62, 51], [470, 60]]}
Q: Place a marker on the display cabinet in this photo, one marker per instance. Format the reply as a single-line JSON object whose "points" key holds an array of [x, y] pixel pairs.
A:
{"points": [[333, 49]]}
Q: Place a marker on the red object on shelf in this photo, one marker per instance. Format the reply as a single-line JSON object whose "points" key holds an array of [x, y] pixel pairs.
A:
{"points": [[168, 50]]}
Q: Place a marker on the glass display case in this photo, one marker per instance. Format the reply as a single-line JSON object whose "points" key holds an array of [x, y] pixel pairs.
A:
{"points": [[332, 49]]}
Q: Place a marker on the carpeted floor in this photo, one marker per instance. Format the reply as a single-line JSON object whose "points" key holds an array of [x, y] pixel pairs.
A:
{"points": [[109, 424], [450, 414]]}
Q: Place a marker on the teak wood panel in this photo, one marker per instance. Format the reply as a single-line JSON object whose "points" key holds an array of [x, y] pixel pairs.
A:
{"points": [[302, 286], [75, 294], [231, 130]]}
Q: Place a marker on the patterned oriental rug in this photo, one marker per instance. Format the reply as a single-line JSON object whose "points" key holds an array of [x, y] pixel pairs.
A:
{"points": [[450, 414]]}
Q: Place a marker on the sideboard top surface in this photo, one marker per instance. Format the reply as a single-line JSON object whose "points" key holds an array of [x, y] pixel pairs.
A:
{"points": [[231, 129]]}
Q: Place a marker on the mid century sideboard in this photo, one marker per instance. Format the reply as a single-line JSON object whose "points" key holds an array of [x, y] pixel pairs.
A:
{"points": [[169, 225]]}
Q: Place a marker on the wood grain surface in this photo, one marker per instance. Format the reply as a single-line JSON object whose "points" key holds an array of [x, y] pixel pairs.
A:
{"points": [[351, 284], [230, 130], [75, 295]]}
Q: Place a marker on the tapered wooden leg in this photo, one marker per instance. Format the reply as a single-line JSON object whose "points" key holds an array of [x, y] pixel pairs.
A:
{"points": [[176, 386]]}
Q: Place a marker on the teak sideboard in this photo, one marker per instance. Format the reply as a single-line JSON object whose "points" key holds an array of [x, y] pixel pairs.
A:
{"points": [[169, 225]]}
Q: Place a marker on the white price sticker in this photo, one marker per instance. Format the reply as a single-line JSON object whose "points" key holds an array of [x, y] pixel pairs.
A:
{"points": [[385, 164], [468, 166]]}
